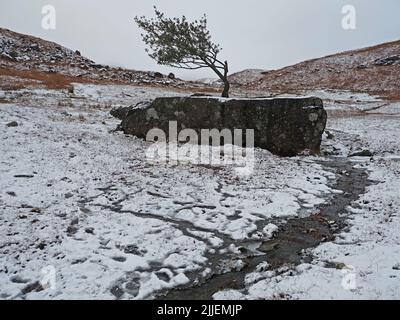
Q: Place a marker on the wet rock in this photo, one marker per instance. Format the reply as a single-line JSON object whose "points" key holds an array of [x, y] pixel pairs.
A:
{"points": [[284, 126], [171, 76], [162, 275], [117, 291], [132, 288], [12, 124]]}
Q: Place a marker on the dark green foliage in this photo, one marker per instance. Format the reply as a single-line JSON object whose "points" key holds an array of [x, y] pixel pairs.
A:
{"points": [[182, 44]]}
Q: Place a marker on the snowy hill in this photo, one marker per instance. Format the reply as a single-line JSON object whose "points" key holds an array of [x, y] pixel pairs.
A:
{"points": [[373, 70], [24, 57]]}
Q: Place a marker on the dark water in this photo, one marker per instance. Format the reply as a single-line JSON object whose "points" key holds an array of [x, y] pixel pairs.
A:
{"points": [[287, 247]]}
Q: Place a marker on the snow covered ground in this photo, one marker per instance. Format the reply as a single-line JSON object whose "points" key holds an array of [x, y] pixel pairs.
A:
{"points": [[364, 261], [84, 214]]}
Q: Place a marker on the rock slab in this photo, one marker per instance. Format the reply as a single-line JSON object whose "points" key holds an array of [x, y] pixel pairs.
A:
{"points": [[284, 126]]}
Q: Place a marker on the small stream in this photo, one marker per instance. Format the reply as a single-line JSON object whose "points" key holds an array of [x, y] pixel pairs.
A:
{"points": [[290, 243]]}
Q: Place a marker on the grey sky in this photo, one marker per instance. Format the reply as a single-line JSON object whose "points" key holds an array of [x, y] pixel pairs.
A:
{"points": [[265, 34]]}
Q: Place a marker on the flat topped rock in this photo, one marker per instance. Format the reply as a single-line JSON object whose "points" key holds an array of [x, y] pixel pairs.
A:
{"points": [[284, 126]]}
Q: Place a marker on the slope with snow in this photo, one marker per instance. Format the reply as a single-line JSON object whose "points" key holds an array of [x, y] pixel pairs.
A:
{"points": [[28, 57], [373, 70]]}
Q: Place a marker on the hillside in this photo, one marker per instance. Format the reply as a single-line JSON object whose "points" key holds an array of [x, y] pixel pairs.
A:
{"points": [[373, 70], [27, 60]]}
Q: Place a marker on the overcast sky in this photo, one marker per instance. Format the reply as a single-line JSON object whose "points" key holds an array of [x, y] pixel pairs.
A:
{"points": [[265, 34]]}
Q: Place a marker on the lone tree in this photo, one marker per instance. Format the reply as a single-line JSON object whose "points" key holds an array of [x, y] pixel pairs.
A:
{"points": [[182, 44]]}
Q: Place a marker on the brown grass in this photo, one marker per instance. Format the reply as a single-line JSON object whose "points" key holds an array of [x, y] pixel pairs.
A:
{"points": [[36, 78]]}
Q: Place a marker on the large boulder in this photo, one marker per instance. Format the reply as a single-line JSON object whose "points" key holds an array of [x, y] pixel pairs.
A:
{"points": [[284, 126]]}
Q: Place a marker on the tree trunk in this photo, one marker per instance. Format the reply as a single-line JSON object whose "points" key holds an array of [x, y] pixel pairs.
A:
{"points": [[225, 93], [223, 77]]}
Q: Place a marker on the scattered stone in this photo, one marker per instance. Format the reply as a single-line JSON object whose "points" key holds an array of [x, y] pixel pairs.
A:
{"points": [[329, 135], [162, 275], [27, 176], [269, 230], [41, 245], [34, 46], [12, 124], [65, 113], [72, 229], [79, 260], [11, 193], [119, 259], [32, 287], [7, 56], [104, 242], [171, 76], [363, 153], [117, 291], [155, 74], [335, 265], [396, 267], [89, 230], [85, 210], [262, 267], [68, 195], [389, 61], [18, 279], [132, 288], [133, 249]]}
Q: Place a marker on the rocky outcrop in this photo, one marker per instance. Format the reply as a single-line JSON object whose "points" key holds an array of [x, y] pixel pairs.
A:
{"points": [[284, 126], [23, 52]]}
